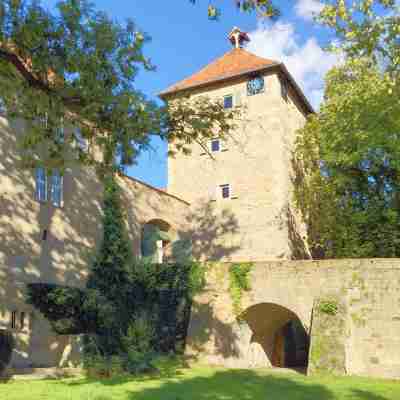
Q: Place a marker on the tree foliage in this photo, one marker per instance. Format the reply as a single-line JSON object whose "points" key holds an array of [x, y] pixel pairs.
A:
{"points": [[366, 28], [350, 154], [264, 8], [77, 68]]}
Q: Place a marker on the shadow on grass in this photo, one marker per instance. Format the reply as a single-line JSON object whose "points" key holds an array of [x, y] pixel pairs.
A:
{"points": [[203, 383], [364, 395], [222, 385]]}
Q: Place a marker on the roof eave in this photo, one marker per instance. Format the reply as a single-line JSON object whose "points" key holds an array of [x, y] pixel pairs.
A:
{"points": [[308, 107], [166, 93]]}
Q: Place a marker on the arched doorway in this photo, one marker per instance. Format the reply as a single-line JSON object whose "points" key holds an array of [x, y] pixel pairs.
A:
{"points": [[280, 334], [156, 238]]}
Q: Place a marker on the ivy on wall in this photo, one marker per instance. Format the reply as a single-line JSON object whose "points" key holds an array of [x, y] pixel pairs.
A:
{"points": [[130, 309], [329, 307], [239, 282]]}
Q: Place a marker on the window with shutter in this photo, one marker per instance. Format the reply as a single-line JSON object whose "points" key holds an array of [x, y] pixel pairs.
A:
{"points": [[80, 141], [41, 184], [238, 98], [56, 188]]}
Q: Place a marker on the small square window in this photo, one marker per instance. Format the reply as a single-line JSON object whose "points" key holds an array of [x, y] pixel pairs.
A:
{"points": [[215, 145], [228, 101], [225, 191]]}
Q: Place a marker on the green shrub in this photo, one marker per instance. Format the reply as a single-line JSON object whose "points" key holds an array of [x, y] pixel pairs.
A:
{"points": [[329, 307], [239, 281], [138, 346]]}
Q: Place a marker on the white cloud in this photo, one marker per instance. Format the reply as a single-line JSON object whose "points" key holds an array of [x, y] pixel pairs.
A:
{"points": [[307, 62], [308, 9]]}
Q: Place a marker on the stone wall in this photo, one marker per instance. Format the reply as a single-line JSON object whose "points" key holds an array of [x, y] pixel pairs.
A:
{"points": [[73, 234], [368, 290]]}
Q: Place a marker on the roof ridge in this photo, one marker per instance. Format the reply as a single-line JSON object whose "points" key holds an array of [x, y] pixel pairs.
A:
{"points": [[235, 62]]}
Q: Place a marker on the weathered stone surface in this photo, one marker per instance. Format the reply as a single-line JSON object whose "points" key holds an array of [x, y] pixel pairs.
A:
{"points": [[328, 336], [366, 337]]}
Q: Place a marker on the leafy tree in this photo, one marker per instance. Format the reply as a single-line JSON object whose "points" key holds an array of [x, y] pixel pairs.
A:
{"points": [[366, 28], [264, 8], [108, 301], [77, 68], [350, 153]]}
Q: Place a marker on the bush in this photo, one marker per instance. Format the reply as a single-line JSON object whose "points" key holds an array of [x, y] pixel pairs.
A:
{"points": [[7, 345], [138, 346]]}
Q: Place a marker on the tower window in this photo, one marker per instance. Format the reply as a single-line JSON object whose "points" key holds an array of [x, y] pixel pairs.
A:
{"points": [[225, 191], [215, 145], [56, 190], [228, 101], [41, 184]]}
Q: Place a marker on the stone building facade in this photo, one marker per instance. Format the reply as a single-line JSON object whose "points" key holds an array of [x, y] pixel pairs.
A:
{"points": [[234, 206], [249, 178], [41, 242]]}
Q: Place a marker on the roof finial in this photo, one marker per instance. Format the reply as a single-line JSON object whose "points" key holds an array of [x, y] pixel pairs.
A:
{"points": [[237, 37]]}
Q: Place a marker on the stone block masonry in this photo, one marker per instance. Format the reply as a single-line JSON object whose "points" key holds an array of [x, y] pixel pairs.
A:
{"points": [[361, 338]]}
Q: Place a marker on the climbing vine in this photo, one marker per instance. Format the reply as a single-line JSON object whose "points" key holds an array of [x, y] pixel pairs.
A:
{"points": [[329, 307], [239, 282]]}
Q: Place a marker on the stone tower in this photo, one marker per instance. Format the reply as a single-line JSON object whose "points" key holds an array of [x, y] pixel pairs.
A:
{"points": [[242, 197]]}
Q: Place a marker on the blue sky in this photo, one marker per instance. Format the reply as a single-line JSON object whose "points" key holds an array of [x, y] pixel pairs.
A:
{"points": [[184, 40]]}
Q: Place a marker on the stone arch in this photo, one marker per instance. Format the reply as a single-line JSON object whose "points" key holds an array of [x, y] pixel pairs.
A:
{"points": [[279, 335], [156, 238]]}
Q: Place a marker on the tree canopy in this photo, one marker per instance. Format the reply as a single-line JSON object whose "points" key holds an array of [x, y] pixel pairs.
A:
{"points": [[366, 28], [264, 8], [76, 67], [350, 153]]}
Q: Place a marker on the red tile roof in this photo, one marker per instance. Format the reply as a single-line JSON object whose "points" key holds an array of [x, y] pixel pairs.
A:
{"points": [[234, 63]]}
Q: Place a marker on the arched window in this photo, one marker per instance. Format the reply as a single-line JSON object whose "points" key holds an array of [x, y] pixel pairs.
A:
{"points": [[156, 237]]}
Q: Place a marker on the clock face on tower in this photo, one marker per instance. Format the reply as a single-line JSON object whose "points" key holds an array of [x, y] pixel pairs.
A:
{"points": [[255, 85]]}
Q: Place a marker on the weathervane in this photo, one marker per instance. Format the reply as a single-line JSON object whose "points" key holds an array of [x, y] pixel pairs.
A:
{"points": [[237, 37]]}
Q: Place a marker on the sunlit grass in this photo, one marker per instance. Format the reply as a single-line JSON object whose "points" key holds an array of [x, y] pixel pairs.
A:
{"points": [[205, 383]]}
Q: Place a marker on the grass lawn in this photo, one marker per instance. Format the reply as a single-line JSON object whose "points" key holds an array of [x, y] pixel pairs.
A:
{"points": [[204, 383]]}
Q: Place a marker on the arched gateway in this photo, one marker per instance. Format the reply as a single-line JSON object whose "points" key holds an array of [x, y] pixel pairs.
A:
{"points": [[279, 333]]}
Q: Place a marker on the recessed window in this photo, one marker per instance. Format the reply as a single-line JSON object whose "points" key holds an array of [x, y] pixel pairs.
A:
{"points": [[60, 134], [225, 191], [13, 319], [228, 101], [80, 141], [44, 234], [255, 85], [215, 145], [3, 108], [41, 184], [22, 320], [56, 191]]}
